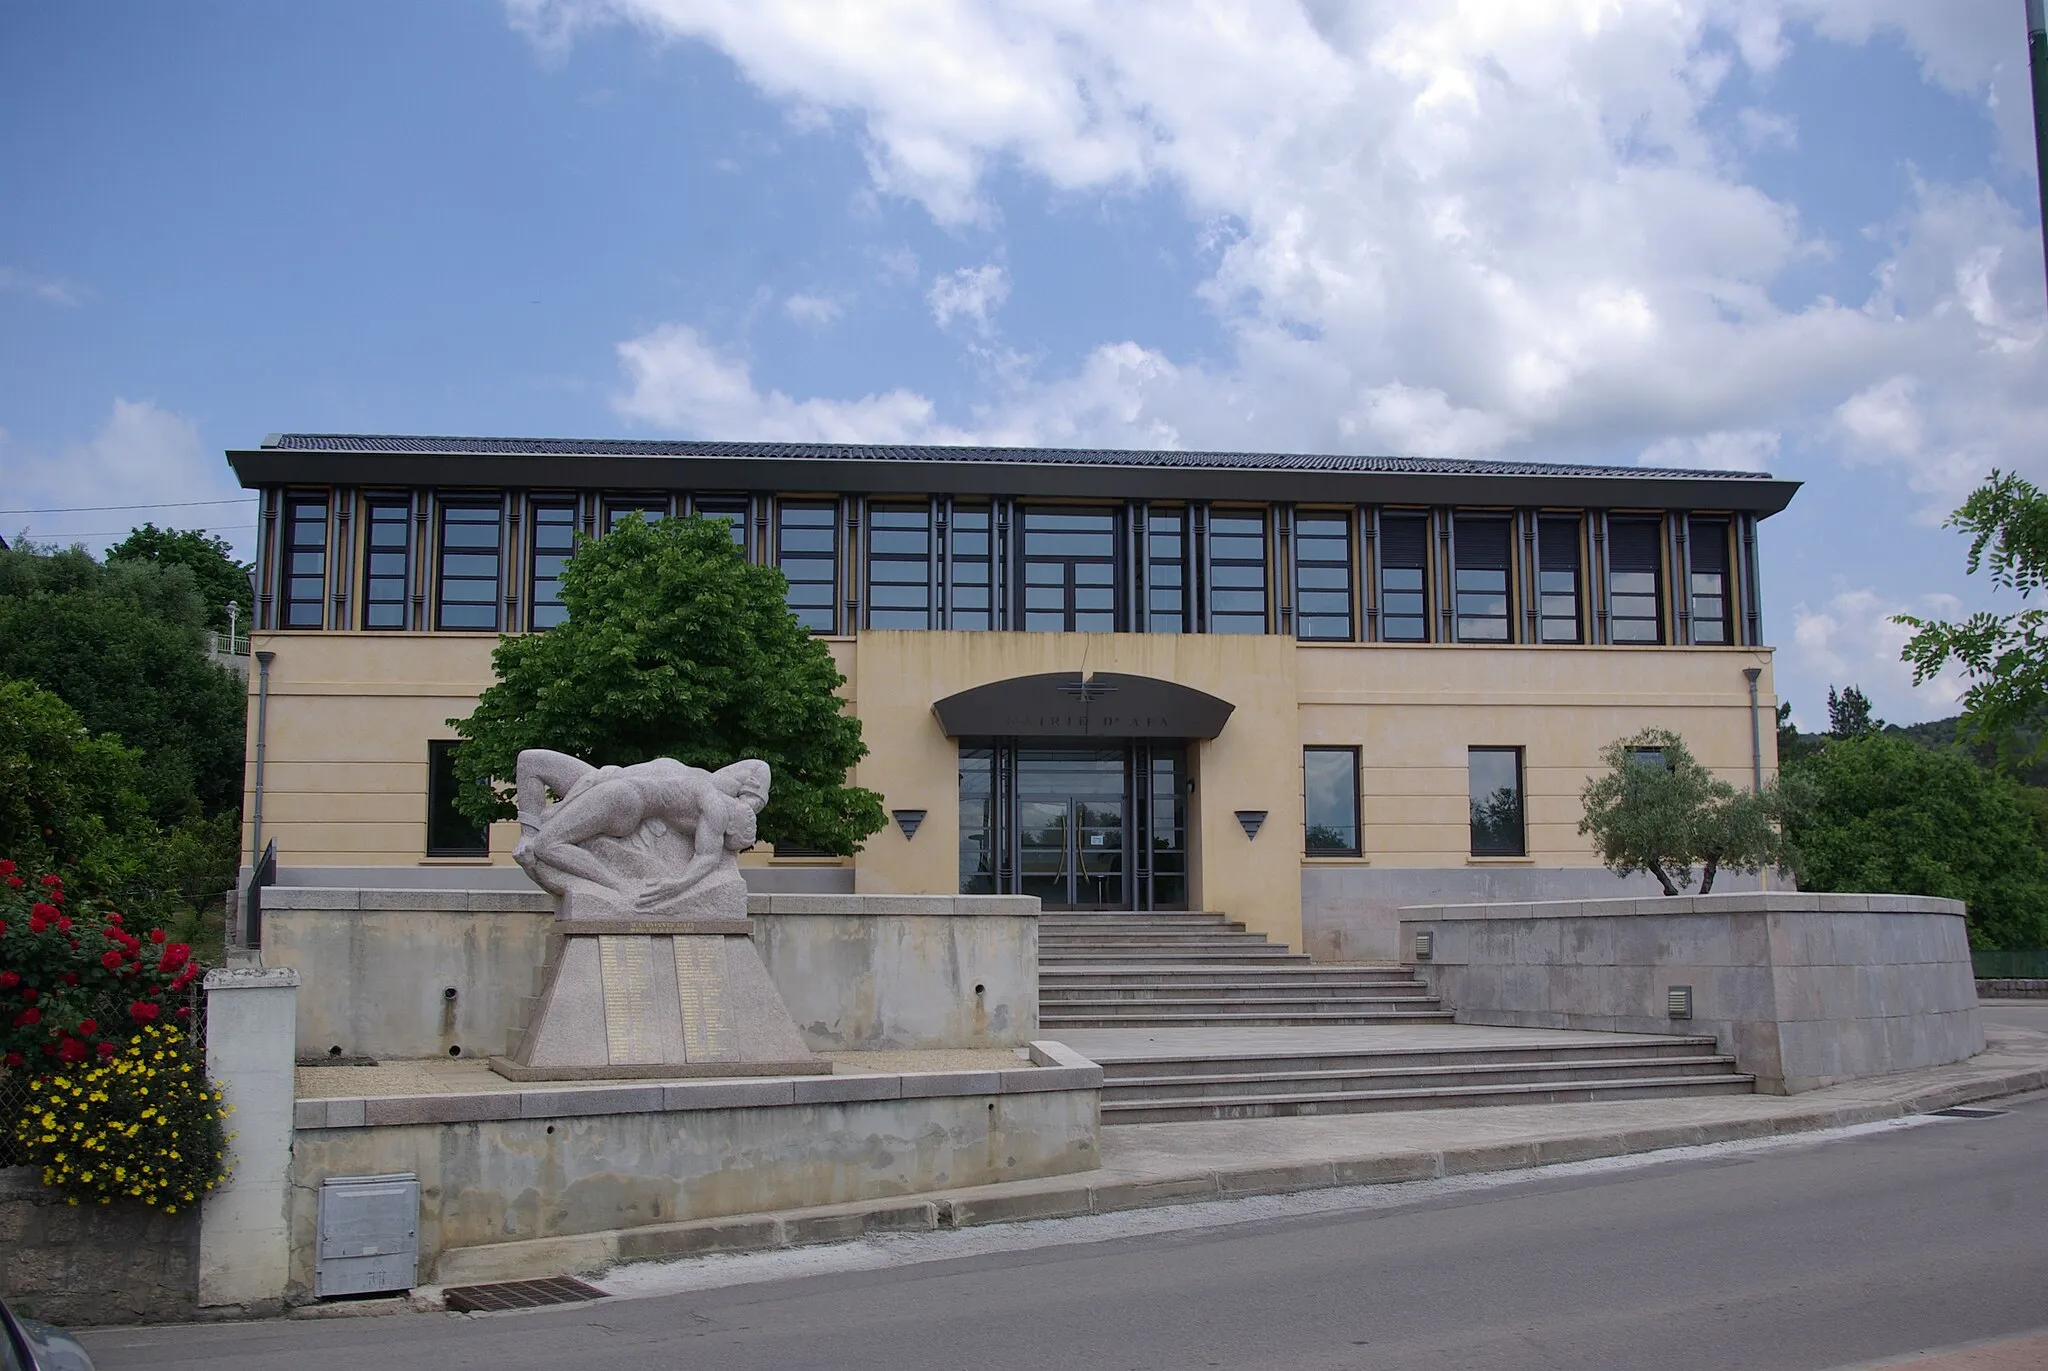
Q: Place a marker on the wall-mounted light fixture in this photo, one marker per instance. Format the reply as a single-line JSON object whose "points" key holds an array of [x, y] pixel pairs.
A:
{"points": [[908, 820], [1425, 944], [1678, 1001], [1253, 820]]}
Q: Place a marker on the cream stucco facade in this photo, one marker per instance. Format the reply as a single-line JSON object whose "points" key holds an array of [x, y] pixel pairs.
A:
{"points": [[350, 715]]}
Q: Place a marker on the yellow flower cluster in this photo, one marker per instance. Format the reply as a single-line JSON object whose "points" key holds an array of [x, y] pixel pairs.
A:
{"points": [[142, 1124]]}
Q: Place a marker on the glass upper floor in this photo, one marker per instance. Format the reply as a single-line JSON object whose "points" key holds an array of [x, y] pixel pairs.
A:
{"points": [[344, 558]]}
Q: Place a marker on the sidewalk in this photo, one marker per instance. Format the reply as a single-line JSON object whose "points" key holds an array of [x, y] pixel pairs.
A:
{"points": [[1177, 1163]]}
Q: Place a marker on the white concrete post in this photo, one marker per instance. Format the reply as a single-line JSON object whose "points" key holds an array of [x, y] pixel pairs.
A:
{"points": [[244, 1227]]}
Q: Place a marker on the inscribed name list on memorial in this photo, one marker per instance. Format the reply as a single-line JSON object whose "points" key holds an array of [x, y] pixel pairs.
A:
{"points": [[623, 971], [700, 986]]}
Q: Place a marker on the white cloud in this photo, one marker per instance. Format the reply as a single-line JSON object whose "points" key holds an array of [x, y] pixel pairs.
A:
{"points": [[50, 290], [970, 295], [140, 455], [1851, 640], [1748, 449], [1762, 128], [813, 311]]}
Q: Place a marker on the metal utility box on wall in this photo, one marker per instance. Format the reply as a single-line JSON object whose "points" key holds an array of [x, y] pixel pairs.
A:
{"points": [[369, 1235]]}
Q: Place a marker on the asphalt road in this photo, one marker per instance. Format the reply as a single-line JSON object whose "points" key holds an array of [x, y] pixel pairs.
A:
{"points": [[1815, 1256]]}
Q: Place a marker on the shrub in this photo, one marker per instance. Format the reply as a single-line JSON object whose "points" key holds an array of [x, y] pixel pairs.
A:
{"points": [[143, 1124], [75, 982]]}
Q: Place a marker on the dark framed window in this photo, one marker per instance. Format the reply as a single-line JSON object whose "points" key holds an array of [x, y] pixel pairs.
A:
{"points": [[1070, 570], [1707, 582], [449, 832], [1652, 757], [1237, 571], [977, 821], [1635, 565], [652, 509], [1495, 784], [969, 544], [731, 508], [1557, 580], [1166, 570], [899, 566], [1330, 801], [1322, 575], [554, 538], [305, 561], [807, 551], [468, 565], [387, 560], [1482, 547], [1404, 578]]}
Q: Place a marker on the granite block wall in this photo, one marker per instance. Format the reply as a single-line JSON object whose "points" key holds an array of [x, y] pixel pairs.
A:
{"points": [[85, 1264]]}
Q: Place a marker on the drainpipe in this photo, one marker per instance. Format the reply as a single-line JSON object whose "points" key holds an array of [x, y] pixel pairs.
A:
{"points": [[263, 661], [2037, 64], [1756, 736]]}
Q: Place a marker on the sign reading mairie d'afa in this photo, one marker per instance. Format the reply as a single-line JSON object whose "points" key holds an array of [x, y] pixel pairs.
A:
{"points": [[1060, 704]]}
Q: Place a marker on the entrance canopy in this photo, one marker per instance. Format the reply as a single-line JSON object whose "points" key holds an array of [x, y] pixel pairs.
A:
{"points": [[1059, 704]]}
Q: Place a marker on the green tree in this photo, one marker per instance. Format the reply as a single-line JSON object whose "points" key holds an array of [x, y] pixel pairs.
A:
{"points": [[676, 646], [1849, 714], [217, 576], [67, 798], [1657, 810], [2003, 656], [1887, 815]]}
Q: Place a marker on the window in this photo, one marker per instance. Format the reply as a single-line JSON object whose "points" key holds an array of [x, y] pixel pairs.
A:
{"points": [[1330, 792], [977, 821], [554, 538], [387, 543], [1166, 571], [1237, 571], [967, 573], [1404, 578], [1634, 564], [651, 509], [1709, 582], [305, 561], [449, 832], [1482, 552], [1495, 775], [1070, 570], [806, 549], [468, 566], [1557, 586], [899, 566], [731, 508], [1652, 757], [1322, 575]]}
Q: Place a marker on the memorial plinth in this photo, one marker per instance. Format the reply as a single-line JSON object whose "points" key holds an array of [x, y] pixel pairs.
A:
{"points": [[676, 988]]}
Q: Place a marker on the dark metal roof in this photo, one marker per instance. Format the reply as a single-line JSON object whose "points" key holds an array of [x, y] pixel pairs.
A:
{"points": [[898, 452], [368, 459]]}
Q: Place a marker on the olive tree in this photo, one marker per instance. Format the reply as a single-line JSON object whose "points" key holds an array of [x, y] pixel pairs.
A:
{"points": [[1656, 809]]}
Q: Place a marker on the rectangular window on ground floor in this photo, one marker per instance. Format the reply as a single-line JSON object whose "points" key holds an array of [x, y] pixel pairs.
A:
{"points": [[449, 832], [1495, 775], [1330, 801]]}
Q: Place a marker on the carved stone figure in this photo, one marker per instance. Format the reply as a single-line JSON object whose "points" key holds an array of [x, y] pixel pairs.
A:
{"points": [[658, 839]]}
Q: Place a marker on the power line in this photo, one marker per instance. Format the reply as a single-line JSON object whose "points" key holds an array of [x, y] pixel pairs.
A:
{"points": [[94, 509]]}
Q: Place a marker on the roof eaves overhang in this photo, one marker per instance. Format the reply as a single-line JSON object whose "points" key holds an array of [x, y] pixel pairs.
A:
{"points": [[1041, 478]]}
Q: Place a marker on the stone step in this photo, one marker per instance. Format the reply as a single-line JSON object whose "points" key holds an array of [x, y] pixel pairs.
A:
{"points": [[1283, 1105], [1220, 1004], [1172, 1087], [1288, 1063], [1167, 938], [1288, 974], [1120, 955], [1232, 1018], [1226, 993]]}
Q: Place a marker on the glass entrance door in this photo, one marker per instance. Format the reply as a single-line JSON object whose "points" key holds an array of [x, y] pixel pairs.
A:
{"points": [[1070, 827]]}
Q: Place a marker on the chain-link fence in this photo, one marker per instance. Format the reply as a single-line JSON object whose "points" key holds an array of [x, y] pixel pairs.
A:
{"points": [[14, 1093], [2025, 964]]}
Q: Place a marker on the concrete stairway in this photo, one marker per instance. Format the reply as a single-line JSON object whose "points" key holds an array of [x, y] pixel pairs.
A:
{"points": [[1196, 970], [1207, 1084]]}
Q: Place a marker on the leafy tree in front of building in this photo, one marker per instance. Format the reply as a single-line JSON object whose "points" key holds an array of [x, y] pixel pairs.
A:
{"points": [[1655, 809], [217, 576], [676, 646], [1887, 815]]}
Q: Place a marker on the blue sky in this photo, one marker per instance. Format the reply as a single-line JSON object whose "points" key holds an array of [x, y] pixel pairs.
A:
{"points": [[1785, 234]]}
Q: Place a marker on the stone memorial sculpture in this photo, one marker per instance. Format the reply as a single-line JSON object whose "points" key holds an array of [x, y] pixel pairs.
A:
{"points": [[650, 971]]}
